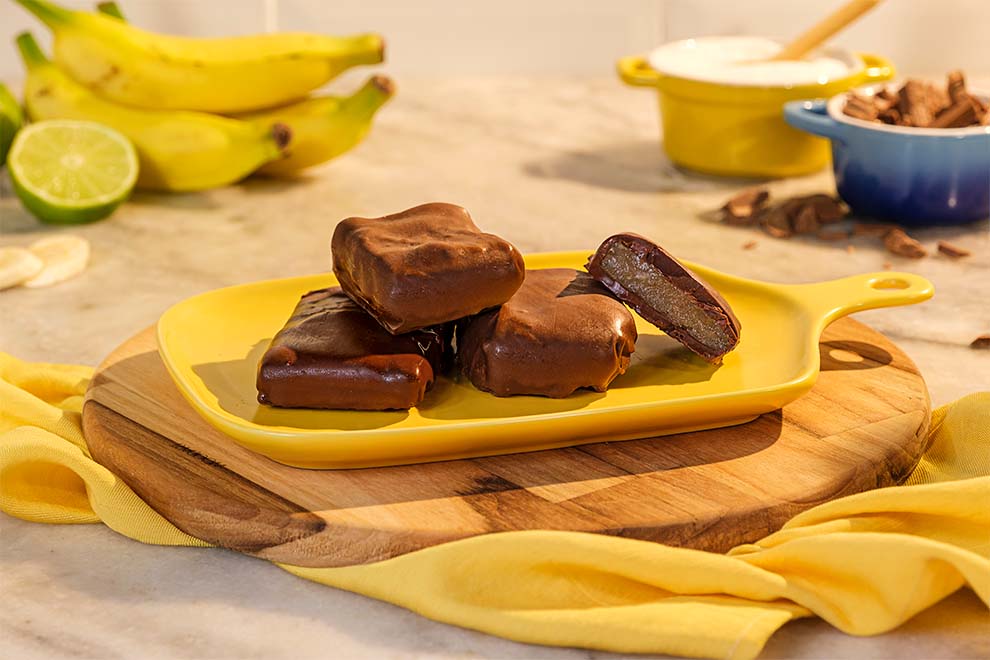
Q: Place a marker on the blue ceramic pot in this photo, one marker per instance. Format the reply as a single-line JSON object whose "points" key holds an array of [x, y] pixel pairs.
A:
{"points": [[912, 176]]}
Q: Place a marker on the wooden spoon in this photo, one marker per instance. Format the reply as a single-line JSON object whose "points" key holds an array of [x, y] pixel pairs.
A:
{"points": [[823, 30]]}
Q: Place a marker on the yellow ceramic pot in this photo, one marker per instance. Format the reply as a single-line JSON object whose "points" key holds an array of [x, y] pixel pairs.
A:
{"points": [[739, 130]]}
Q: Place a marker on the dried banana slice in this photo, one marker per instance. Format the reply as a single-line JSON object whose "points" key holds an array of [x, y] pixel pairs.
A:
{"points": [[17, 265], [64, 256]]}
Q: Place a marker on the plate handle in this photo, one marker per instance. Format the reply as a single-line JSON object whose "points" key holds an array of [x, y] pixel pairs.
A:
{"points": [[838, 298]]}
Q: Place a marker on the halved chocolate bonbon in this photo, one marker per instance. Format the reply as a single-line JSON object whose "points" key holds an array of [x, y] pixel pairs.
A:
{"points": [[665, 293]]}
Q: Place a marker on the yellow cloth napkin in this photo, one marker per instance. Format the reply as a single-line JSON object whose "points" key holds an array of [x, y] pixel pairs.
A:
{"points": [[864, 563]]}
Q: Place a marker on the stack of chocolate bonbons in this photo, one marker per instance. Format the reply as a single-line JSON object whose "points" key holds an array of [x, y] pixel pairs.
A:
{"points": [[411, 281]]}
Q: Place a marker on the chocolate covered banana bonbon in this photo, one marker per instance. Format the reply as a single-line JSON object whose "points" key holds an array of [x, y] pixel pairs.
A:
{"points": [[661, 290], [426, 265], [560, 332], [332, 354]]}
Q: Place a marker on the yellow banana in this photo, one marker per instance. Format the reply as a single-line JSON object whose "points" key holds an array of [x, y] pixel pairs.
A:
{"points": [[323, 127], [111, 9], [177, 150], [234, 74], [11, 119]]}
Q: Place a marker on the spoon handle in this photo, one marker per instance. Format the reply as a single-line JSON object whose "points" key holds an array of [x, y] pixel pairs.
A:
{"points": [[821, 31]]}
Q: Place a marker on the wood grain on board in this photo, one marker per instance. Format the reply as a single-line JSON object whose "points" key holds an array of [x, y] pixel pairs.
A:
{"points": [[864, 425]]}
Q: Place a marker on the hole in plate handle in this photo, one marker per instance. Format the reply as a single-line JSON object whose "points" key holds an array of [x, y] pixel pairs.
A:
{"points": [[842, 355], [889, 283]]}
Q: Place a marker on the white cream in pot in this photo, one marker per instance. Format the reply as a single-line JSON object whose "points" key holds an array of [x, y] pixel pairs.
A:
{"points": [[736, 61]]}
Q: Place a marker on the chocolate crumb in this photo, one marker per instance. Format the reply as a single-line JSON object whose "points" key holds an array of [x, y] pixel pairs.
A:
{"points": [[850, 249], [887, 265], [953, 251], [749, 245], [804, 214], [898, 242], [982, 342]]}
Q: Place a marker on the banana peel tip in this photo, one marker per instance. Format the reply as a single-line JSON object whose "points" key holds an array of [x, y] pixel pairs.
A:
{"points": [[384, 84], [282, 135]]}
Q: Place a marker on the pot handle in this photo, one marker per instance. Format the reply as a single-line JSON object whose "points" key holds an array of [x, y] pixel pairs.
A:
{"points": [[636, 71], [878, 68], [811, 116], [838, 298]]}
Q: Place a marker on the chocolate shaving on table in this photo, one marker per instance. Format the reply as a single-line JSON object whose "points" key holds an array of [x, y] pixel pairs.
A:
{"points": [[797, 215], [803, 215], [952, 251], [899, 243], [777, 221], [749, 245], [743, 208], [983, 342], [806, 220], [827, 208]]}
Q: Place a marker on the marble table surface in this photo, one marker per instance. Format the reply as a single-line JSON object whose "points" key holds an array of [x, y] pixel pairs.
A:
{"points": [[550, 164]]}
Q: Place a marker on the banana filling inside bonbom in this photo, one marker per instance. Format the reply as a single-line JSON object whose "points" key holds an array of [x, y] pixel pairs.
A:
{"points": [[647, 282]]}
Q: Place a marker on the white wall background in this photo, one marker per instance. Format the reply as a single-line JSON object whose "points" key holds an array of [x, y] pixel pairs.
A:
{"points": [[545, 37]]}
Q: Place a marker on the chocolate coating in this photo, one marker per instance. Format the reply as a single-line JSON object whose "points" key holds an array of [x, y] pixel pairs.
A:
{"points": [[561, 331], [661, 290], [424, 266], [331, 354]]}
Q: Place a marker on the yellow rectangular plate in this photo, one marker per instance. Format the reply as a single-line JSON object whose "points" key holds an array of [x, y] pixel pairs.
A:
{"points": [[212, 343]]}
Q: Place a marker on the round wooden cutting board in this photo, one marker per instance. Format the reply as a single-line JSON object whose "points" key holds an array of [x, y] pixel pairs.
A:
{"points": [[863, 426]]}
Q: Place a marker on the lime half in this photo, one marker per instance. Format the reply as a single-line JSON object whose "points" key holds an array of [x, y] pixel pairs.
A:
{"points": [[70, 172]]}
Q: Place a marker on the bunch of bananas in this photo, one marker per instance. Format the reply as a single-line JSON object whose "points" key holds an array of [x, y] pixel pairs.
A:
{"points": [[201, 112]]}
